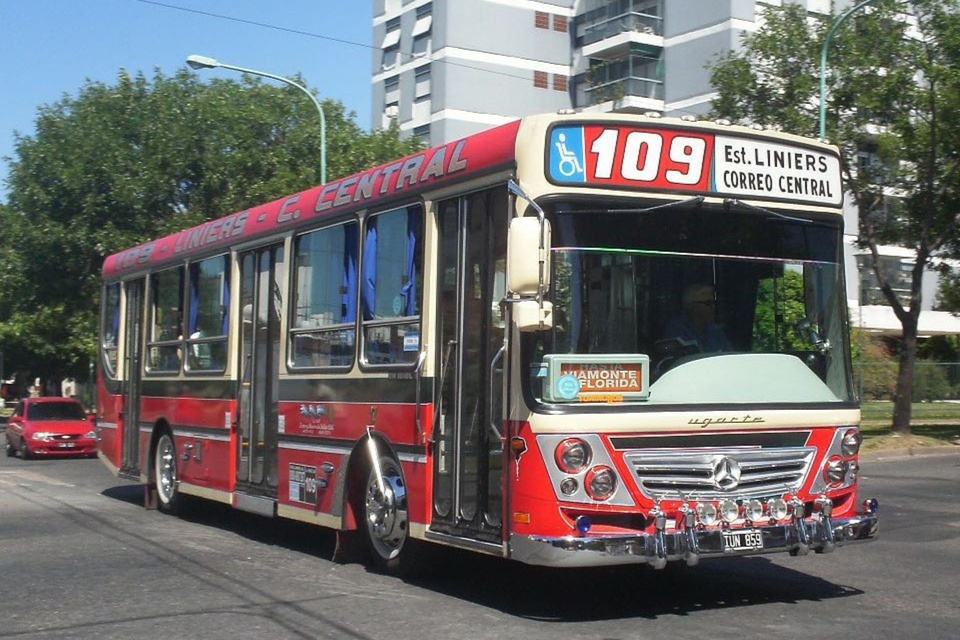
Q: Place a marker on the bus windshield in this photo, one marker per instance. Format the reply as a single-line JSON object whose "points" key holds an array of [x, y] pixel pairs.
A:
{"points": [[692, 304]]}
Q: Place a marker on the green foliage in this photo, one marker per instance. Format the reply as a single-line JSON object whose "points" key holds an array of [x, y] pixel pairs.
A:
{"points": [[119, 164], [893, 108], [780, 307]]}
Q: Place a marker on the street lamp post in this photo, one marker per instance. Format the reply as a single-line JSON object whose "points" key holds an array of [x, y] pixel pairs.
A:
{"points": [[203, 62], [823, 64]]}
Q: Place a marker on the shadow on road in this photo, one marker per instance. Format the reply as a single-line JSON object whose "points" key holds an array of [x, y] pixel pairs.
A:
{"points": [[567, 595], [581, 595]]}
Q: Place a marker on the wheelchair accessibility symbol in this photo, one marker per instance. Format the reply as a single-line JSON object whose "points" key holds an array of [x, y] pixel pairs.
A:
{"points": [[566, 155]]}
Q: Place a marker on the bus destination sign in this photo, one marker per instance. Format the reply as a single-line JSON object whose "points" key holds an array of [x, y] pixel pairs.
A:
{"points": [[692, 161]]}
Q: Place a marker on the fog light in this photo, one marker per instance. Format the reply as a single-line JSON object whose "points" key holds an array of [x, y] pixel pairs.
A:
{"points": [[835, 471], [850, 444], [707, 512], [777, 508], [572, 455], [583, 525], [601, 482], [753, 510], [569, 486], [729, 511]]}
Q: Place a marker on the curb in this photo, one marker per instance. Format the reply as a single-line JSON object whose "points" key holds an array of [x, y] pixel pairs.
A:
{"points": [[912, 452]]}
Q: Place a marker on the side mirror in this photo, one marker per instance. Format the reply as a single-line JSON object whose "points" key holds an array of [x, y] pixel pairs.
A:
{"points": [[528, 273], [528, 257]]}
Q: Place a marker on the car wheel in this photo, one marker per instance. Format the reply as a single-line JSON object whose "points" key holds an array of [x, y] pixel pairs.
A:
{"points": [[10, 450], [24, 451], [165, 474]]}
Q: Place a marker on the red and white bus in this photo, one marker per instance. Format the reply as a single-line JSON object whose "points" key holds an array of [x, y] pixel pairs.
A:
{"points": [[570, 340]]}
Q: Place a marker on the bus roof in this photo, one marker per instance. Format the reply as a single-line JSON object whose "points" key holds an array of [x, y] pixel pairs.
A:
{"points": [[462, 159], [711, 159]]}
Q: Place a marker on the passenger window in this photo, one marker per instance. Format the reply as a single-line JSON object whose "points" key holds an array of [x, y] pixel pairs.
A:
{"points": [[110, 327], [209, 319], [166, 327], [390, 288], [324, 324]]}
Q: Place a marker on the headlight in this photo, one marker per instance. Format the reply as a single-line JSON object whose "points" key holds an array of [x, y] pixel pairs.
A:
{"points": [[835, 471], [42, 436], [777, 508], [708, 513], [753, 510], [601, 482], [729, 511], [569, 486], [572, 455], [91, 435], [850, 445]]}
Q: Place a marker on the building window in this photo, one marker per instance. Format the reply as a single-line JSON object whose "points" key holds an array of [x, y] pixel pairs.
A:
{"points": [[560, 24], [391, 90], [391, 45], [540, 79], [422, 133], [421, 30], [541, 20], [422, 82], [559, 82]]}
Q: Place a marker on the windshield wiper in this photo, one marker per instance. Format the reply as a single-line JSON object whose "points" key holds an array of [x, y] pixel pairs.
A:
{"points": [[676, 203], [733, 202]]}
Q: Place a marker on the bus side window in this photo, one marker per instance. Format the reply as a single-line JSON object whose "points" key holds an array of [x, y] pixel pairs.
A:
{"points": [[390, 289], [324, 323], [209, 315], [110, 327], [166, 329]]}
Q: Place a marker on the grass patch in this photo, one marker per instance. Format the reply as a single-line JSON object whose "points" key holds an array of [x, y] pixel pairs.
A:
{"points": [[923, 412]]}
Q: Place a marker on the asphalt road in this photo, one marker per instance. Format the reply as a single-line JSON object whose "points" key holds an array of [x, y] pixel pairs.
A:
{"points": [[80, 558]]}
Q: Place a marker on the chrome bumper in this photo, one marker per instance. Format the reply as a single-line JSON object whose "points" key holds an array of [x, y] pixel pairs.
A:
{"points": [[820, 534]]}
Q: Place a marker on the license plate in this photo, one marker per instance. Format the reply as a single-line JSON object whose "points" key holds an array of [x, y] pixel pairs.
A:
{"points": [[747, 540], [67, 445]]}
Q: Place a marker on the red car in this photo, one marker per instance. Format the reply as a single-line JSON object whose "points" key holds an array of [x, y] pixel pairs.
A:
{"points": [[48, 427]]}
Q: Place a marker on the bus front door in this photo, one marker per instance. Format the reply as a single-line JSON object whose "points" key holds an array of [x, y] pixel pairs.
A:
{"points": [[132, 365], [468, 445], [259, 370]]}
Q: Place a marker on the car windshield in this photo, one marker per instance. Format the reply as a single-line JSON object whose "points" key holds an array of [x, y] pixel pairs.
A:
{"points": [[56, 411], [692, 304]]}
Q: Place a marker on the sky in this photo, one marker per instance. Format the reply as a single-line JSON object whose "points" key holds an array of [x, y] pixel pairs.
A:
{"points": [[50, 48]]}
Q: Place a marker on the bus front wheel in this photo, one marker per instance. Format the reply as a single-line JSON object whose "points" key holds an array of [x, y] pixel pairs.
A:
{"points": [[386, 519], [165, 474]]}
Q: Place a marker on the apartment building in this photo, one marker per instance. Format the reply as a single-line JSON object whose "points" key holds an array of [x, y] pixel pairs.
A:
{"points": [[444, 69]]}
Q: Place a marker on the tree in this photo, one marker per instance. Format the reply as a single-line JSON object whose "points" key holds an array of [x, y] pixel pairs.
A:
{"points": [[119, 164], [894, 112]]}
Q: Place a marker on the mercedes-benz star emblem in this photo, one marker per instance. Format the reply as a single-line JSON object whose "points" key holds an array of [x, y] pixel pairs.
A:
{"points": [[726, 474]]}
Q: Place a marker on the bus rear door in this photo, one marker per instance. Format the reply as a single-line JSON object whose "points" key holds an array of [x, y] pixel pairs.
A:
{"points": [[259, 371]]}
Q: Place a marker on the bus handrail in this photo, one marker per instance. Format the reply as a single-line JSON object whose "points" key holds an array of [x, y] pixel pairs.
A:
{"points": [[493, 367], [417, 377]]}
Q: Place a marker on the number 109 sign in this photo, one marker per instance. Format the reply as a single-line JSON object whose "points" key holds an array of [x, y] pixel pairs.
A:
{"points": [[692, 161]]}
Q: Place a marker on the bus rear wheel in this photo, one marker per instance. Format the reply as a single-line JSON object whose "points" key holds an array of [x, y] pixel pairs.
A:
{"points": [[386, 519], [165, 474]]}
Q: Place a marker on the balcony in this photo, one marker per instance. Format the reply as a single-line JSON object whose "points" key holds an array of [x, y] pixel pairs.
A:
{"points": [[632, 22], [618, 90]]}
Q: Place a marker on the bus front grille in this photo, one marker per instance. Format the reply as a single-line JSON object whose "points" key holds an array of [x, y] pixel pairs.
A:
{"points": [[720, 473]]}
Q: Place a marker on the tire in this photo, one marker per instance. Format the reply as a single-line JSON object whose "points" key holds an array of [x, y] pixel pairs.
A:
{"points": [[11, 452], [386, 521], [24, 451], [165, 474]]}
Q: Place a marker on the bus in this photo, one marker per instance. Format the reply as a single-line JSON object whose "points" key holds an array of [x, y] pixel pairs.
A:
{"points": [[484, 345]]}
